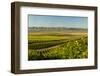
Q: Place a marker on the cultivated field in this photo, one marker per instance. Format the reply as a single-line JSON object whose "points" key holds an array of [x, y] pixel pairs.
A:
{"points": [[63, 44]]}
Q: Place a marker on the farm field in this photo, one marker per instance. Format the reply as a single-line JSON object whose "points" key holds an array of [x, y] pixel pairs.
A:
{"points": [[63, 44]]}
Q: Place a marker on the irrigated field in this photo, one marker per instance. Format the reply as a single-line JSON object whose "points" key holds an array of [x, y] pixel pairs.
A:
{"points": [[46, 45]]}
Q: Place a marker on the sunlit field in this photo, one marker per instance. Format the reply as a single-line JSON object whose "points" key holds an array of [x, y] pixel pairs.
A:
{"points": [[48, 45]]}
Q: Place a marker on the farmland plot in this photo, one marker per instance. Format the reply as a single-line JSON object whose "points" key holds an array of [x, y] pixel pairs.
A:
{"points": [[47, 45]]}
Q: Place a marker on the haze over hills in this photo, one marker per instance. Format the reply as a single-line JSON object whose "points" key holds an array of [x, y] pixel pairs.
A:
{"points": [[30, 29]]}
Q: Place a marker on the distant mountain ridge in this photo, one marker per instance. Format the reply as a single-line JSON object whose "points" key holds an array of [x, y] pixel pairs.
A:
{"points": [[54, 28]]}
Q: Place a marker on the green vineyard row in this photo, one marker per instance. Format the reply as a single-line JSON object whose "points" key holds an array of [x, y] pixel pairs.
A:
{"points": [[67, 49]]}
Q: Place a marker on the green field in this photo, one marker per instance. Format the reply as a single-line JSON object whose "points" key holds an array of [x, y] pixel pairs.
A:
{"points": [[47, 45]]}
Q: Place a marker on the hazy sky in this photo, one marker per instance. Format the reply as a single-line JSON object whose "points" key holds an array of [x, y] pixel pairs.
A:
{"points": [[57, 21]]}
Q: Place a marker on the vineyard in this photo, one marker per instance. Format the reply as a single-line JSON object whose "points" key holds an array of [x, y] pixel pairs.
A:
{"points": [[59, 46]]}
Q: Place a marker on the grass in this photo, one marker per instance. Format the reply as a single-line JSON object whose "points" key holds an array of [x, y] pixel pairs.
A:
{"points": [[57, 45]]}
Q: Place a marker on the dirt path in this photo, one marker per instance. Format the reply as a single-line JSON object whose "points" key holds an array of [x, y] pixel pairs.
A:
{"points": [[48, 48]]}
